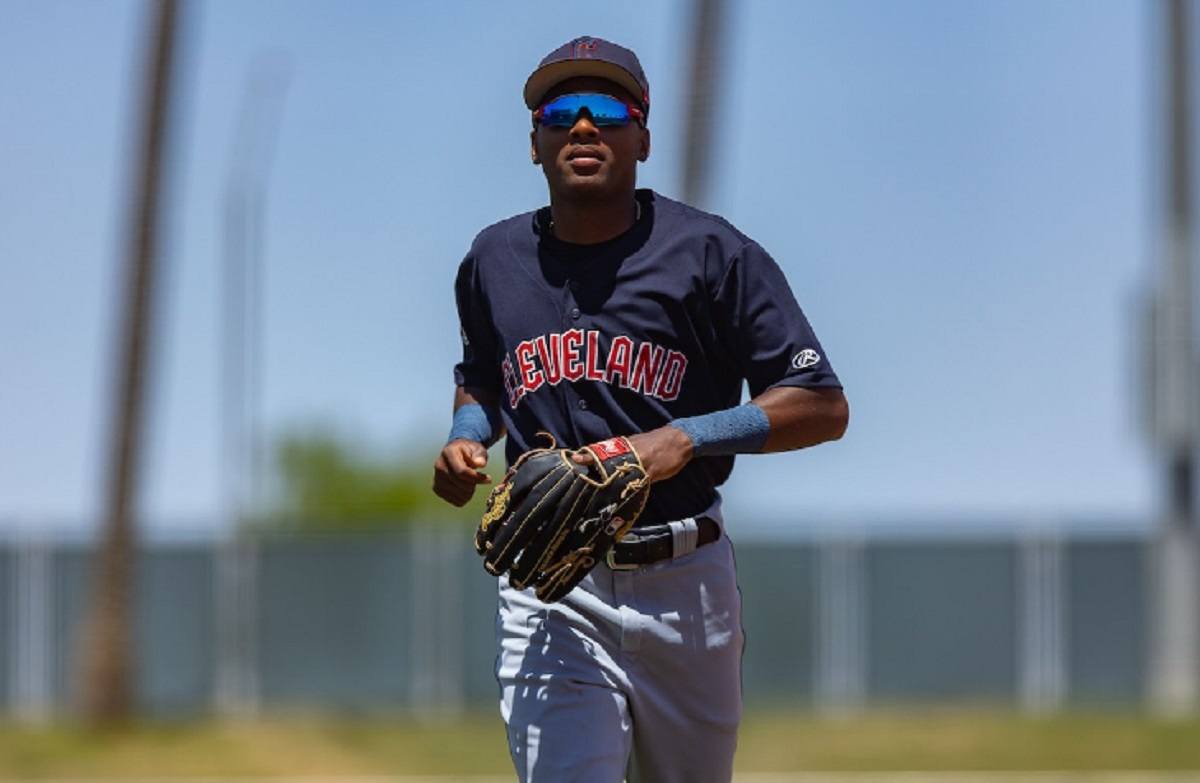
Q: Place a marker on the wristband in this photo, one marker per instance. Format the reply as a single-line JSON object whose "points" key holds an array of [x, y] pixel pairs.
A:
{"points": [[474, 422], [740, 430]]}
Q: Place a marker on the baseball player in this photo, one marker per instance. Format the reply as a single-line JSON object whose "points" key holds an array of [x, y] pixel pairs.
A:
{"points": [[611, 312]]}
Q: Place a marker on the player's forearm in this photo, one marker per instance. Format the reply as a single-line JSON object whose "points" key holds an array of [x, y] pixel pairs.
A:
{"points": [[782, 419], [803, 417]]}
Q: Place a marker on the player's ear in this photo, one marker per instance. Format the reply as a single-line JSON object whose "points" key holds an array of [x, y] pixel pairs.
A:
{"points": [[644, 145], [533, 153]]}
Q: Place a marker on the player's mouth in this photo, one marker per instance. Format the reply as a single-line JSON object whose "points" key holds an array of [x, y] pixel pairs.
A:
{"points": [[585, 157]]}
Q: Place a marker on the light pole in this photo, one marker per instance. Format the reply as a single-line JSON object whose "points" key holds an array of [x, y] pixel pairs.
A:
{"points": [[237, 685], [1175, 641]]}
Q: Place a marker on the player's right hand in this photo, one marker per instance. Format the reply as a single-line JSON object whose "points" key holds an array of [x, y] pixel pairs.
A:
{"points": [[456, 472]]}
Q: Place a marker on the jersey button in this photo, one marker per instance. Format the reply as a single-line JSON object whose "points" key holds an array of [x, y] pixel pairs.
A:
{"points": [[574, 285], [583, 405], [575, 313]]}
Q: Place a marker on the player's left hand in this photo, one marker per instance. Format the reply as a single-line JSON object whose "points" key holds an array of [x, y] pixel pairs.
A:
{"points": [[664, 452]]}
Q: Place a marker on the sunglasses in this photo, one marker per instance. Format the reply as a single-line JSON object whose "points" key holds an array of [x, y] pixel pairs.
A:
{"points": [[604, 111]]}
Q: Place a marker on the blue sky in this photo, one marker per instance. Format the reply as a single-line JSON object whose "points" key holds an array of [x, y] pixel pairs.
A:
{"points": [[961, 194]]}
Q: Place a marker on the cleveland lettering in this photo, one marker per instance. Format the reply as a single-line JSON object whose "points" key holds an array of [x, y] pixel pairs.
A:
{"points": [[577, 355]]}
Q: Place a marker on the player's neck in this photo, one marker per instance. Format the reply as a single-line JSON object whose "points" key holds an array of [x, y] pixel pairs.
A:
{"points": [[590, 223]]}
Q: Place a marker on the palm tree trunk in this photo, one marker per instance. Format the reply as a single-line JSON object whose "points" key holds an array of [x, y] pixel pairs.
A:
{"points": [[106, 657]]}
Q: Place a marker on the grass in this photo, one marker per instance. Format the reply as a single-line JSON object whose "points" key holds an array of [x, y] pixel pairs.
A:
{"points": [[274, 748], [966, 740], [771, 741]]}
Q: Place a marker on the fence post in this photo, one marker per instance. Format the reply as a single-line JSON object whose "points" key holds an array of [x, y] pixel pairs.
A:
{"points": [[236, 644], [33, 629], [1042, 615], [438, 690], [841, 668]]}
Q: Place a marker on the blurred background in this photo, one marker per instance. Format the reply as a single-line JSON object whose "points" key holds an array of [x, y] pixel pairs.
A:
{"points": [[228, 238]]}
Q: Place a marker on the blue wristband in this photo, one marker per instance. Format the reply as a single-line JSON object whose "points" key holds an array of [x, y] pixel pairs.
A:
{"points": [[740, 430], [474, 422]]}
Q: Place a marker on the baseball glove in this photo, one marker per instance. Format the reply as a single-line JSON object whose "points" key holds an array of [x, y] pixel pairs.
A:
{"points": [[551, 519]]}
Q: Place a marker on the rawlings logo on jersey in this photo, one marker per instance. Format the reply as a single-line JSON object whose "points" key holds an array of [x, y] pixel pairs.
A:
{"points": [[576, 355], [806, 358]]}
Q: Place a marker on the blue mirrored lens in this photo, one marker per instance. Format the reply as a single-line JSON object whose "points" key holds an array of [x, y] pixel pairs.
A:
{"points": [[603, 110]]}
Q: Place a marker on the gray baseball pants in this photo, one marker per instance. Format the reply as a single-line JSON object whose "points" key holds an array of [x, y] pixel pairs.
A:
{"points": [[636, 674]]}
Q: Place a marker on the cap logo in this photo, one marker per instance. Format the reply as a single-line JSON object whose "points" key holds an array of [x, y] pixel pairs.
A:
{"points": [[583, 48]]}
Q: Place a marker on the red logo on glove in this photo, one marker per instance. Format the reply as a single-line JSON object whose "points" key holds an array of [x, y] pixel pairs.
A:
{"points": [[613, 447]]}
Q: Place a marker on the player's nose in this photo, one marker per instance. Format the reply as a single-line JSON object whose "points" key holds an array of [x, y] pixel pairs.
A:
{"points": [[583, 127]]}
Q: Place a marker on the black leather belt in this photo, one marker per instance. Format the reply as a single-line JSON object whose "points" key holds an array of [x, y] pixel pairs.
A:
{"points": [[648, 545]]}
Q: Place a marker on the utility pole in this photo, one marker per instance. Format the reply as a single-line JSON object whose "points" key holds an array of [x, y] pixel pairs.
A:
{"points": [[1175, 644], [707, 55]]}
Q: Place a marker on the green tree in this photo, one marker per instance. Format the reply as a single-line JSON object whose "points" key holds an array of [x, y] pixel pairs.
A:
{"points": [[326, 482]]}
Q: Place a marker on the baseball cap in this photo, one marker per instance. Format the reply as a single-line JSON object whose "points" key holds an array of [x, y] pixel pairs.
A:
{"points": [[587, 56]]}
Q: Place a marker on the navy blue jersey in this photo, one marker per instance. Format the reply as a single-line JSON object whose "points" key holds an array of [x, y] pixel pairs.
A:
{"points": [[667, 320]]}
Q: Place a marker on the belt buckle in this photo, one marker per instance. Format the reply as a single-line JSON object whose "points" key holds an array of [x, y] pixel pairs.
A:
{"points": [[613, 565]]}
